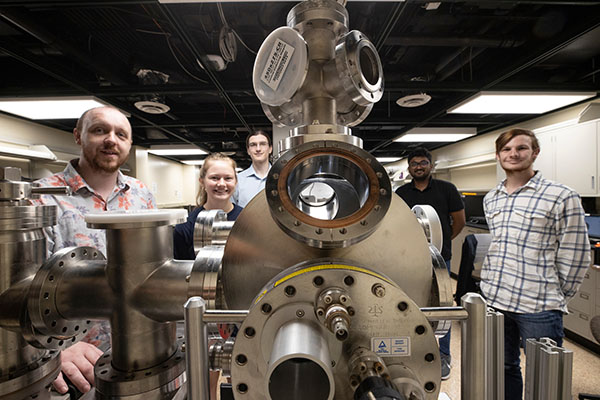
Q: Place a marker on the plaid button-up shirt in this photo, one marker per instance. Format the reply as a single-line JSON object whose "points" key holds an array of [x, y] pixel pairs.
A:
{"points": [[540, 249]]}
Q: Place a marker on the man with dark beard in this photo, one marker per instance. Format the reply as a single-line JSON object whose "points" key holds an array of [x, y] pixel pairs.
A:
{"points": [[104, 135], [446, 201]]}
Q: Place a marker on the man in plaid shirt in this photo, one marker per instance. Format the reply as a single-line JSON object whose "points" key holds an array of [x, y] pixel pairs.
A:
{"points": [[539, 252]]}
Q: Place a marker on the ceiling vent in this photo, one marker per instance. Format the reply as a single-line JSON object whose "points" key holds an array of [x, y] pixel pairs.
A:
{"points": [[153, 103], [152, 107], [413, 100]]}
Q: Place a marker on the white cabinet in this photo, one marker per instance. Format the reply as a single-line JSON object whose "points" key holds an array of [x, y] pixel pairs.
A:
{"points": [[545, 162], [569, 155], [576, 157]]}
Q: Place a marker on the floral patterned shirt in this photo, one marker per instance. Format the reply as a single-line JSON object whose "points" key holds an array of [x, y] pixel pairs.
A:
{"points": [[71, 229]]}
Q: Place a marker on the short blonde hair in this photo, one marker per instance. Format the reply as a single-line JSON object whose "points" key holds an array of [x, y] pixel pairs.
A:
{"points": [[201, 197]]}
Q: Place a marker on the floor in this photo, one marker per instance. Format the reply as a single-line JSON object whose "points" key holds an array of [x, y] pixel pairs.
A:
{"points": [[586, 368]]}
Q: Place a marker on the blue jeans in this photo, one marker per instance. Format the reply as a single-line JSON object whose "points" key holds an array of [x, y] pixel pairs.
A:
{"points": [[445, 341], [518, 328]]}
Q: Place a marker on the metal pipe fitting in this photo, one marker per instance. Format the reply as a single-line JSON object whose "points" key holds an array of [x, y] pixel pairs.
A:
{"points": [[211, 229], [299, 367], [314, 75], [25, 371], [337, 321], [219, 355], [132, 258]]}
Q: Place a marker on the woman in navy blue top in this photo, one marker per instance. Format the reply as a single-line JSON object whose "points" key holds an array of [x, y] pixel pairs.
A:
{"points": [[217, 184]]}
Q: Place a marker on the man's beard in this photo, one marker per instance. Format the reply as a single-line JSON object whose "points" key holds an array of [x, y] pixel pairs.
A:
{"points": [[421, 178], [100, 165]]}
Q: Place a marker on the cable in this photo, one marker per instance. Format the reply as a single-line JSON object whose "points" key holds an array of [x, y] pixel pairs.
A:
{"points": [[227, 42], [181, 65], [167, 36], [244, 44]]}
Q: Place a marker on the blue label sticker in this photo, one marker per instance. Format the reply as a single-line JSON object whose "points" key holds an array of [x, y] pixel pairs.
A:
{"points": [[397, 346]]}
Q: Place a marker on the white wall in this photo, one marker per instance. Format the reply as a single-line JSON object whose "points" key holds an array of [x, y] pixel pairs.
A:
{"points": [[16, 132], [172, 183]]}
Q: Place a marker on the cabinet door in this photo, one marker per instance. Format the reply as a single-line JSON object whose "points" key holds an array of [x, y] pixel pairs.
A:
{"points": [[576, 157], [545, 162]]}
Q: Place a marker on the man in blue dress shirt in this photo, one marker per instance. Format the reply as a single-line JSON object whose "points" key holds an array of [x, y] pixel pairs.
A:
{"points": [[252, 180]]}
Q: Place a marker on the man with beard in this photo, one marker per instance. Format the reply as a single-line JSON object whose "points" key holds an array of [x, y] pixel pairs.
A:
{"points": [[539, 252], [104, 135], [445, 199]]}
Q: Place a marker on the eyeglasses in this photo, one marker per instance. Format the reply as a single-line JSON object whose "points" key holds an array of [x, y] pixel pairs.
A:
{"points": [[415, 164]]}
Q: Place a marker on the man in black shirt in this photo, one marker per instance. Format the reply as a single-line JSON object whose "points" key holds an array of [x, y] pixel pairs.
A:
{"points": [[446, 201]]}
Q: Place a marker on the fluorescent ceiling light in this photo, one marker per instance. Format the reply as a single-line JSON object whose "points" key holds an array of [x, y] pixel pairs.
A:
{"points": [[436, 135], [517, 102], [34, 152], [193, 162], [49, 107], [177, 150], [387, 159]]}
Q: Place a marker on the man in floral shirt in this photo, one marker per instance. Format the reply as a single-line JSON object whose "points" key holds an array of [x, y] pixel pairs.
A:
{"points": [[104, 135]]}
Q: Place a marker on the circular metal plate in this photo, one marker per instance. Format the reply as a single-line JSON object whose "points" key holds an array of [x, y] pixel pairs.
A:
{"points": [[50, 329], [388, 314], [280, 67], [135, 219]]}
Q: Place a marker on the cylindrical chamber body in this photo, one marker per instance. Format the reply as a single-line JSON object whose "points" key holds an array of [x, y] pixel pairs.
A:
{"points": [[22, 252], [132, 258]]}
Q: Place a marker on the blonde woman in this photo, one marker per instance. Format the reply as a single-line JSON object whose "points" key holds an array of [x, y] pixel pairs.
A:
{"points": [[217, 185]]}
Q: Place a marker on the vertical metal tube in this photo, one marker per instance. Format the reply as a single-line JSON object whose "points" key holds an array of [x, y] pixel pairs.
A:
{"points": [[531, 368], [132, 257], [566, 366], [548, 388], [196, 339], [495, 355], [473, 351]]}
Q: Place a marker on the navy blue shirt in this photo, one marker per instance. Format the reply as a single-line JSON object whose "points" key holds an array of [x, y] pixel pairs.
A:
{"points": [[443, 197], [183, 234]]}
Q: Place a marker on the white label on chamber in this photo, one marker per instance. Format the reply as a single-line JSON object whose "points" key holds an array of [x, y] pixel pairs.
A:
{"points": [[277, 63], [391, 347]]}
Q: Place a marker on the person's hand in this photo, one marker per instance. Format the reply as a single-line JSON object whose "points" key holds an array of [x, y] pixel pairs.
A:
{"points": [[77, 363]]}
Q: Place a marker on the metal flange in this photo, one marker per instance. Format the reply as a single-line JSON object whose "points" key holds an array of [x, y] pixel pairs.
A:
{"points": [[158, 382], [48, 328], [360, 208], [431, 224], [381, 312], [441, 290]]}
